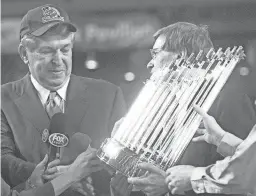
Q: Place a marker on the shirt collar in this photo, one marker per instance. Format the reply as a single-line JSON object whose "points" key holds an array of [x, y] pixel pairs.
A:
{"points": [[44, 93]]}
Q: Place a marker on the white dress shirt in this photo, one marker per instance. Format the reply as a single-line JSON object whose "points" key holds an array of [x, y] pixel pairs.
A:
{"points": [[43, 93]]}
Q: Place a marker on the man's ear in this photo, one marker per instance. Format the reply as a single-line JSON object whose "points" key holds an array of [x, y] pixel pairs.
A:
{"points": [[23, 53]]}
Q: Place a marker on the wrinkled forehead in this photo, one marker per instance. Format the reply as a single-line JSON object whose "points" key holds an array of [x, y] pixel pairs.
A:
{"points": [[160, 41], [55, 40]]}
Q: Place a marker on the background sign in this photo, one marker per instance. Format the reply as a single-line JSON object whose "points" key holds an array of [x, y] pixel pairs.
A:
{"points": [[118, 32], [112, 32]]}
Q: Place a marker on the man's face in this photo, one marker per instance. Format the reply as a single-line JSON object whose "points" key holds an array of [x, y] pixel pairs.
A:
{"points": [[159, 56], [51, 62]]}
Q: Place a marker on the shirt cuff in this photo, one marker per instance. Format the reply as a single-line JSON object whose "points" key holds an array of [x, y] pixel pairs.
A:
{"points": [[228, 144], [197, 180]]}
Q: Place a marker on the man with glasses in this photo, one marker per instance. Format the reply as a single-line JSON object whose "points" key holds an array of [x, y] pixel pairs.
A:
{"points": [[182, 39]]}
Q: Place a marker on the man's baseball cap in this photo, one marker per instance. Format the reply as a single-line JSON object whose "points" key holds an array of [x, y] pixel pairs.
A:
{"points": [[40, 19]]}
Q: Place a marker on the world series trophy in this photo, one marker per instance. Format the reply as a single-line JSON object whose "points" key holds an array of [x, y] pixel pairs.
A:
{"points": [[161, 122]]}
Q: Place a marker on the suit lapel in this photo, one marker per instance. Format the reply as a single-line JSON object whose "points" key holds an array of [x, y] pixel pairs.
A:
{"points": [[31, 106], [76, 101]]}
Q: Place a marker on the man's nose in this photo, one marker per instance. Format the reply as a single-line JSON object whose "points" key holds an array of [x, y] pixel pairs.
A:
{"points": [[150, 64], [57, 58]]}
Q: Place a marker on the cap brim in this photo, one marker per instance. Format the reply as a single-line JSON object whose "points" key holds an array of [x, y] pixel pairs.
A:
{"points": [[46, 27]]}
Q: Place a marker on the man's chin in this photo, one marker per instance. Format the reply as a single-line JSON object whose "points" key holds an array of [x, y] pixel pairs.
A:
{"points": [[56, 84]]}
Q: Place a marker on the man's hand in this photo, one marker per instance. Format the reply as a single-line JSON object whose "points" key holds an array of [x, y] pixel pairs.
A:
{"points": [[212, 133], [51, 171], [81, 187], [85, 164], [119, 185], [178, 179], [36, 176], [152, 182], [62, 168]]}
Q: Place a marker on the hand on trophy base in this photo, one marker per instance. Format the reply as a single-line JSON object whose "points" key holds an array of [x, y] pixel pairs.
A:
{"points": [[152, 183], [119, 185]]}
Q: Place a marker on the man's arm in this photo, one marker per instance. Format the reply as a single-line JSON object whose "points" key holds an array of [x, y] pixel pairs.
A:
{"points": [[118, 183], [233, 175], [51, 188], [214, 134], [82, 167], [118, 109], [46, 189], [228, 144], [14, 170]]}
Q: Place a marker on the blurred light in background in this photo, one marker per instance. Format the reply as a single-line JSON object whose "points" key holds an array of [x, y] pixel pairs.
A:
{"points": [[91, 63], [244, 71], [129, 76]]}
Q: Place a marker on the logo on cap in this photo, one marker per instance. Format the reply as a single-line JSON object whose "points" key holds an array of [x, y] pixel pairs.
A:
{"points": [[51, 14], [58, 140]]}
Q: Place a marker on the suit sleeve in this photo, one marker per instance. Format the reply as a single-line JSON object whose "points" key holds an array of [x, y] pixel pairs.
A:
{"points": [[118, 109], [228, 144], [46, 189], [233, 175], [14, 170], [117, 112]]}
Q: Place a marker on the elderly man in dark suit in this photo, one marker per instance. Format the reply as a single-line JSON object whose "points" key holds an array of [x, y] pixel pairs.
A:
{"points": [[46, 42]]}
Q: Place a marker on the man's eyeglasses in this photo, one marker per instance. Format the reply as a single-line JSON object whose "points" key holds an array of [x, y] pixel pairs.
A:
{"points": [[154, 52]]}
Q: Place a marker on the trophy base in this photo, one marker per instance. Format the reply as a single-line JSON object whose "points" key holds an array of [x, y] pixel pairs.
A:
{"points": [[119, 157]]}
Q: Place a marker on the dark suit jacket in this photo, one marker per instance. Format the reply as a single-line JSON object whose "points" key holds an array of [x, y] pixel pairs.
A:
{"points": [[94, 105]]}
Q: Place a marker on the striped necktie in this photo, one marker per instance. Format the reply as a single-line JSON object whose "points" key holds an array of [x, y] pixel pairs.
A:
{"points": [[53, 104]]}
